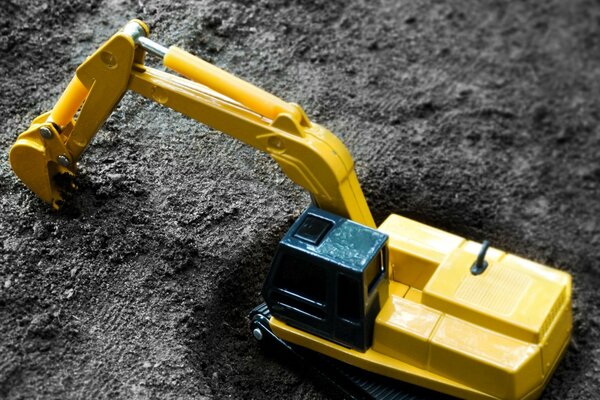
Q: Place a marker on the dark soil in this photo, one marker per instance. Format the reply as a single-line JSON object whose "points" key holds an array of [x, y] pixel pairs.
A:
{"points": [[480, 118]]}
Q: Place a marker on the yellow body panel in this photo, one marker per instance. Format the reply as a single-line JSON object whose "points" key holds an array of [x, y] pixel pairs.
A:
{"points": [[443, 328], [403, 329]]}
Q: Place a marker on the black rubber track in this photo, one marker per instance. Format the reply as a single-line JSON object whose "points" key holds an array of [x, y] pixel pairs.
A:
{"points": [[348, 381]]}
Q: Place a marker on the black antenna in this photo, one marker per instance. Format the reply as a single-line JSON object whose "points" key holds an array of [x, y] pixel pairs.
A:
{"points": [[480, 264]]}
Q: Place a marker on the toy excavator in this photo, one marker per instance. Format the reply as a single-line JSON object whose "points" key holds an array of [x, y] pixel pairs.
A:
{"points": [[403, 301]]}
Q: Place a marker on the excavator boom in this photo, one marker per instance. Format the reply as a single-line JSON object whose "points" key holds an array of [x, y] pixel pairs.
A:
{"points": [[308, 154]]}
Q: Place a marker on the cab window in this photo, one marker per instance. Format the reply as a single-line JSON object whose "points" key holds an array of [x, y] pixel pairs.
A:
{"points": [[349, 297], [302, 278], [374, 271]]}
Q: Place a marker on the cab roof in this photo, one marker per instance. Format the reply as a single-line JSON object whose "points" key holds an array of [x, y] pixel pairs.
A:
{"points": [[335, 239]]}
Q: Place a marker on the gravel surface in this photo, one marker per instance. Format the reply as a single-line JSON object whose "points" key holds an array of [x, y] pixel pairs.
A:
{"points": [[477, 117]]}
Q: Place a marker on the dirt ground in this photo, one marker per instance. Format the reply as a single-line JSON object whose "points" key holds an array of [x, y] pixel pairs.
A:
{"points": [[477, 117]]}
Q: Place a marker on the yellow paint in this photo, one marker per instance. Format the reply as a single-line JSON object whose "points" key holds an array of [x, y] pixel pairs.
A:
{"points": [[200, 71], [416, 250], [512, 296], [34, 160], [101, 81], [69, 102], [414, 294], [403, 329]]}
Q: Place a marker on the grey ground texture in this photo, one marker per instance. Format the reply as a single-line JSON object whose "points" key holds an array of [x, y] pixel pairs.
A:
{"points": [[477, 117]]}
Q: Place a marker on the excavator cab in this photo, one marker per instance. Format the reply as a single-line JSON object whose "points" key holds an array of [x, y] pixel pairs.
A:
{"points": [[329, 278]]}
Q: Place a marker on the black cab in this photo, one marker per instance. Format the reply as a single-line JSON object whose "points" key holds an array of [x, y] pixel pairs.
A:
{"points": [[328, 278]]}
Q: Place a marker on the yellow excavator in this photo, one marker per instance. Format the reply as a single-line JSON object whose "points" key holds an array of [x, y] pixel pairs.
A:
{"points": [[403, 301]]}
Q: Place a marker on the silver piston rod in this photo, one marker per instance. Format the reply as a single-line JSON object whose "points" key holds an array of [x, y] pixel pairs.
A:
{"points": [[138, 34]]}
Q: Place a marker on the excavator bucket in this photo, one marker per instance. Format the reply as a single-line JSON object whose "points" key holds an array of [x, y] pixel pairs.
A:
{"points": [[39, 158]]}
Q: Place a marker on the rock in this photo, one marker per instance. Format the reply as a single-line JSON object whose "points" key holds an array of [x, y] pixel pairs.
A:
{"points": [[42, 326]]}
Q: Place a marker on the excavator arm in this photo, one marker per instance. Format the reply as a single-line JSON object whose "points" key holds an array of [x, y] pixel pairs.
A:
{"points": [[45, 155]]}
